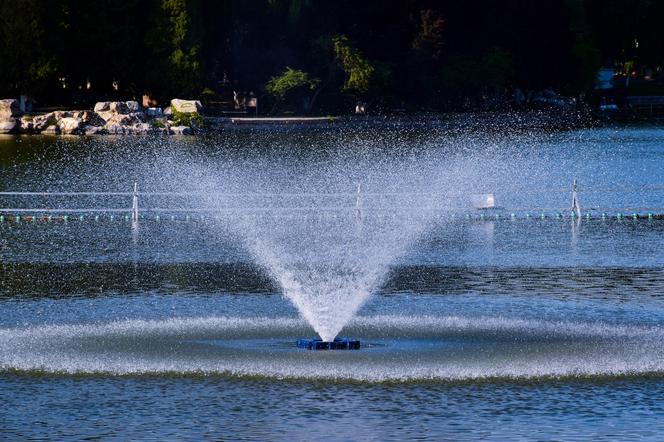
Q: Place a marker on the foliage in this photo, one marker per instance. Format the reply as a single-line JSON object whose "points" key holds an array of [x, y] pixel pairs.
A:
{"points": [[412, 53], [25, 64], [207, 95], [191, 119], [465, 76], [157, 123], [289, 81], [497, 68], [291, 84], [585, 62], [174, 50], [429, 39], [359, 71]]}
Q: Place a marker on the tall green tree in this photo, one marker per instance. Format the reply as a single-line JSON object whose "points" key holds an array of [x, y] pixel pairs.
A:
{"points": [[173, 49], [359, 71], [26, 66], [292, 85]]}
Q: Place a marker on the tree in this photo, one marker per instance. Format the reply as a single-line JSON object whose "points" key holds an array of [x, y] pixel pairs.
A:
{"points": [[25, 63], [428, 41], [359, 71], [290, 85], [173, 47], [467, 76]]}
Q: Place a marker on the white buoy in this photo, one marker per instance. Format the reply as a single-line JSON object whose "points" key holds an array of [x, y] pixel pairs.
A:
{"points": [[483, 201]]}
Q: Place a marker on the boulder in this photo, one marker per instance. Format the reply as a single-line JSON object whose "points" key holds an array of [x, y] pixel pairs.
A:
{"points": [[118, 107], [181, 130], [105, 115], [142, 128], [9, 125], [70, 125], [115, 129], [137, 117], [59, 115], [9, 108], [51, 130], [92, 118], [41, 122], [187, 106], [95, 130], [101, 106], [133, 106], [119, 119], [154, 112]]}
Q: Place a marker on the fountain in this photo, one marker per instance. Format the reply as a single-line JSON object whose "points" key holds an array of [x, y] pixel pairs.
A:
{"points": [[328, 255], [262, 248]]}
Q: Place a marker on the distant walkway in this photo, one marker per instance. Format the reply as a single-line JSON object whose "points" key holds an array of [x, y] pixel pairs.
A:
{"points": [[281, 120]]}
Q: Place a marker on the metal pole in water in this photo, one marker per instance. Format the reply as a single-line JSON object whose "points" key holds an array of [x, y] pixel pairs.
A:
{"points": [[576, 209], [134, 204], [358, 203]]}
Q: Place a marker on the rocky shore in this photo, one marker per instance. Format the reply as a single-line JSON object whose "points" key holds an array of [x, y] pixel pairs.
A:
{"points": [[182, 117]]}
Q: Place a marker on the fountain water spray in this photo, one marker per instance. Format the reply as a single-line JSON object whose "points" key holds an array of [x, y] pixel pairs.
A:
{"points": [[325, 266]]}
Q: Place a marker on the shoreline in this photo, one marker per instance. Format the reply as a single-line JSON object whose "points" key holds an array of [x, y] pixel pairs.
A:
{"points": [[131, 124]]}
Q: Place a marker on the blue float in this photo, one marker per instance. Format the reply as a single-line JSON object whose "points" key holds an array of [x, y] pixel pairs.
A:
{"points": [[337, 344]]}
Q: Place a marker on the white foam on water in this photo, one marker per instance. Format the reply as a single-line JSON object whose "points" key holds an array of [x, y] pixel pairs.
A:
{"points": [[410, 348]]}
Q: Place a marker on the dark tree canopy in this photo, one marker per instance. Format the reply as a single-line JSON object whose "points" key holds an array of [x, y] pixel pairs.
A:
{"points": [[420, 54]]}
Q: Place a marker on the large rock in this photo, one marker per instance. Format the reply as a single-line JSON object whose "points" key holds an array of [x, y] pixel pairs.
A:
{"points": [[90, 118], [9, 108], [70, 125], [106, 115], [154, 112], [187, 106], [41, 122], [133, 106], [115, 129], [101, 106], [95, 130], [119, 119], [142, 128], [137, 117], [9, 125], [118, 107], [51, 130], [181, 130]]}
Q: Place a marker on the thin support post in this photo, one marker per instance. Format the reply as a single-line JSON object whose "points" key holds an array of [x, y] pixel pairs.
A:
{"points": [[576, 208], [358, 203], [134, 204]]}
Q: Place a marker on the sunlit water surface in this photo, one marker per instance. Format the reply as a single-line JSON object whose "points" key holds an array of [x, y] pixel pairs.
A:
{"points": [[479, 329]]}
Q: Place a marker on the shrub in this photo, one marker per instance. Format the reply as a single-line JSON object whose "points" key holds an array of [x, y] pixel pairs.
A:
{"points": [[191, 119]]}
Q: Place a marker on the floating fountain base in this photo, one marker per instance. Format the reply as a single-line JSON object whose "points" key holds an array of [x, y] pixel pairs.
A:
{"points": [[337, 344]]}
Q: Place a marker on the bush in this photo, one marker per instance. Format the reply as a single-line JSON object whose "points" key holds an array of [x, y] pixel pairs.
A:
{"points": [[288, 81], [191, 119]]}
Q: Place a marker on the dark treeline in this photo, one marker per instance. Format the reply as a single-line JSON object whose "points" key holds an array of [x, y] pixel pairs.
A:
{"points": [[321, 56]]}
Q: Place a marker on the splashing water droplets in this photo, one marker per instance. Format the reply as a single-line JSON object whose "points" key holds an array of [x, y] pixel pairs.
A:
{"points": [[326, 264]]}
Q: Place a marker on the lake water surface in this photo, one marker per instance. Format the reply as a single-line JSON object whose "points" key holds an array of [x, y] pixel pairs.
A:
{"points": [[485, 328]]}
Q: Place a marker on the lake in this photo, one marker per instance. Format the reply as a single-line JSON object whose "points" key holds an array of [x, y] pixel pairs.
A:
{"points": [[524, 321]]}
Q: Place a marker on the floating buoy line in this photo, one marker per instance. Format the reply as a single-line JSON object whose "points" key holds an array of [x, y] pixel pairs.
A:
{"points": [[486, 211], [37, 217]]}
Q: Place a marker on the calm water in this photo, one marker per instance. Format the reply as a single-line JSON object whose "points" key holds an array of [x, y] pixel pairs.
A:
{"points": [[527, 328]]}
